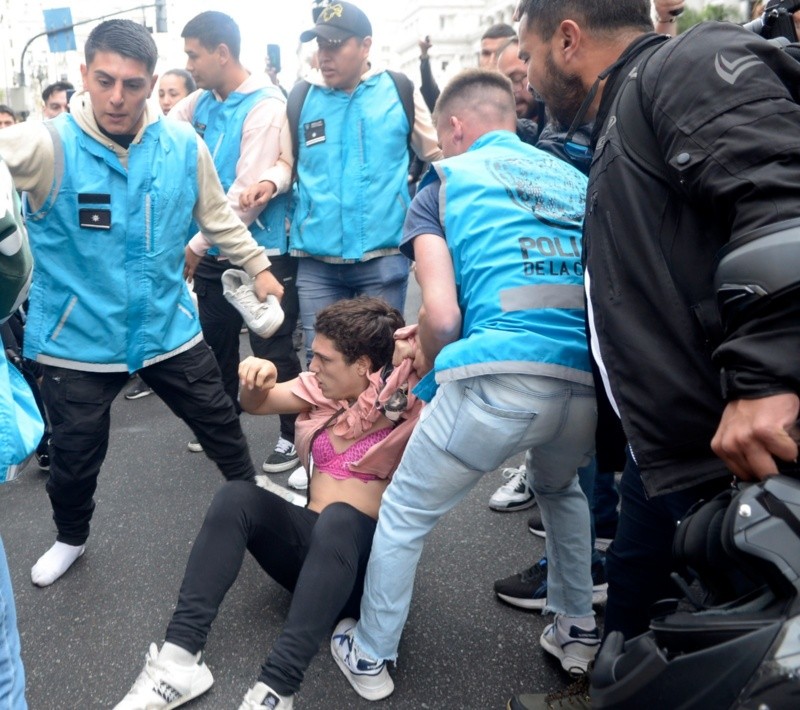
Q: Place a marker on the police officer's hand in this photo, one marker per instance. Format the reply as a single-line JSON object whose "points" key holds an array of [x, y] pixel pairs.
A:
{"points": [[265, 284], [753, 431], [257, 195], [191, 260], [255, 373], [403, 344]]}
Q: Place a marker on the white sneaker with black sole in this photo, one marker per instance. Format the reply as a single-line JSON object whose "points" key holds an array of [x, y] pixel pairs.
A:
{"points": [[574, 646], [163, 685], [369, 678], [514, 494], [283, 458]]}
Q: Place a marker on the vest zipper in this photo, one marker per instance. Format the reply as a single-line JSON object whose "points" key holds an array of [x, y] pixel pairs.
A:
{"points": [[147, 237], [64, 316]]}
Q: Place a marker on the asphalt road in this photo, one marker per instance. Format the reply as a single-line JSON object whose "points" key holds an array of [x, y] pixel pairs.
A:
{"points": [[84, 638]]}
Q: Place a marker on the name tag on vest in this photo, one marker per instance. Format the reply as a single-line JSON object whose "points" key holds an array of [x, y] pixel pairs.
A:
{"points": [[314, 132], [93, 217]]}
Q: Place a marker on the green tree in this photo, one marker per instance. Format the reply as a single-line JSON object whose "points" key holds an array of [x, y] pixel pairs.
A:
{"points": [[690, 17]]}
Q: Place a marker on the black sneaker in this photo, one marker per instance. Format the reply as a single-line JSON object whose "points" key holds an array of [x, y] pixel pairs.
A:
{"points": [[528, 589], [138, 390], [284, 458], [535, 524]]}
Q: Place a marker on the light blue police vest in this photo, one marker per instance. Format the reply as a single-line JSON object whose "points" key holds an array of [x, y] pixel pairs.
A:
{"points": [[108, 245], [352, 173], [220, 125], [512, 219]]}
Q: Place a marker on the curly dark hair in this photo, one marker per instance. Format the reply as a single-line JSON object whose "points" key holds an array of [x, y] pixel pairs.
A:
{"points": [[361, 326]]}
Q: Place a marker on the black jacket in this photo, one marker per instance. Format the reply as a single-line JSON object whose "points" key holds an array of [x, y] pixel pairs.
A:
{"points": [[720, 104]]}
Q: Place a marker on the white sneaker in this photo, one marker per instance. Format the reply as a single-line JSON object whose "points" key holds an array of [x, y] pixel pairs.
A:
{"points": [[262, 317], [263, 481], [262, 697], [369, 678], [299, 479], [195, 446], [163, 685], [573, 646], [514, 494]]}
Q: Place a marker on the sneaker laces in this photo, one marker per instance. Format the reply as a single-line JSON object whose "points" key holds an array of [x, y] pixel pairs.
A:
{"points": [[534, 571], [578, 688], [150, 677], [515, 476], [284, 446], [245, 295]]}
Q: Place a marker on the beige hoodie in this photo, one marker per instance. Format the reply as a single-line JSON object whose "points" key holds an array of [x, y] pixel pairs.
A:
{"points": [[27, 148]]}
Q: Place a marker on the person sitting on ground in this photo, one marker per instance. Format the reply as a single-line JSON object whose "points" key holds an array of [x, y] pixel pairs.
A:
{"points": [[351, 445]]}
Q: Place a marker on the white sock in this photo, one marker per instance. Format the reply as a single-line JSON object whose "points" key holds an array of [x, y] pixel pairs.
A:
{"points": [[53, 563], [175, 654]]}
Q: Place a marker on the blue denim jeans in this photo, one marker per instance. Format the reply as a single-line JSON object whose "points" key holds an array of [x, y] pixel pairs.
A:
{"points": [[12, 675], [470, 428], [639, 560], [320, 284]]}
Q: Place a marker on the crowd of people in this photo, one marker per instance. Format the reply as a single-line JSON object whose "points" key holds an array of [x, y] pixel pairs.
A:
{"points": [[600, 242]]}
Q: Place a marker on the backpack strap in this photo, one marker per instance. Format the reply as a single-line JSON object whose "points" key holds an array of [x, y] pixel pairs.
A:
{"points": [[637, 137], [294, 104], [298, 94], [405, 90]]}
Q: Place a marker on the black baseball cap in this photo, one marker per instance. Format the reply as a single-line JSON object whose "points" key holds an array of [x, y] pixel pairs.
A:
{"points": [[339, 21]]}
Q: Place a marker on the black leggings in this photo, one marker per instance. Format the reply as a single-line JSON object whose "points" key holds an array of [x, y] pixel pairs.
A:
{"points": [[320, 557]]}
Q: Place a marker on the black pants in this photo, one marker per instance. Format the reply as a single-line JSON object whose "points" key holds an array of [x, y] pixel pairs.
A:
{"points": [[222, 323], [79, 405], [322, 558], [639, 560]]}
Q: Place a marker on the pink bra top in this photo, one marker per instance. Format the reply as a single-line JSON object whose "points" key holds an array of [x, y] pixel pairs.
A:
{"points": [[338, 465]]}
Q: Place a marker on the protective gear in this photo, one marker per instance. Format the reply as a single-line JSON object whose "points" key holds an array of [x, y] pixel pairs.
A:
{"points": [[743, 652], [759, 265]]}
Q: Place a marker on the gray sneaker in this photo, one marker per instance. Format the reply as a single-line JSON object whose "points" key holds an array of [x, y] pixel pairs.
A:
{"points": [[283, 458], [574, 697]]}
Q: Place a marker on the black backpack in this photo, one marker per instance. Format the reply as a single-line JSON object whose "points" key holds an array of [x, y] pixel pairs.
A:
{"points": [[638, 139]]}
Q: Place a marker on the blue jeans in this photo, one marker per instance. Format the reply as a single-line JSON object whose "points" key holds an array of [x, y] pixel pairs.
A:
{"points": [[639, 560], [12, 675], [320, 284], [470, 428]]}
